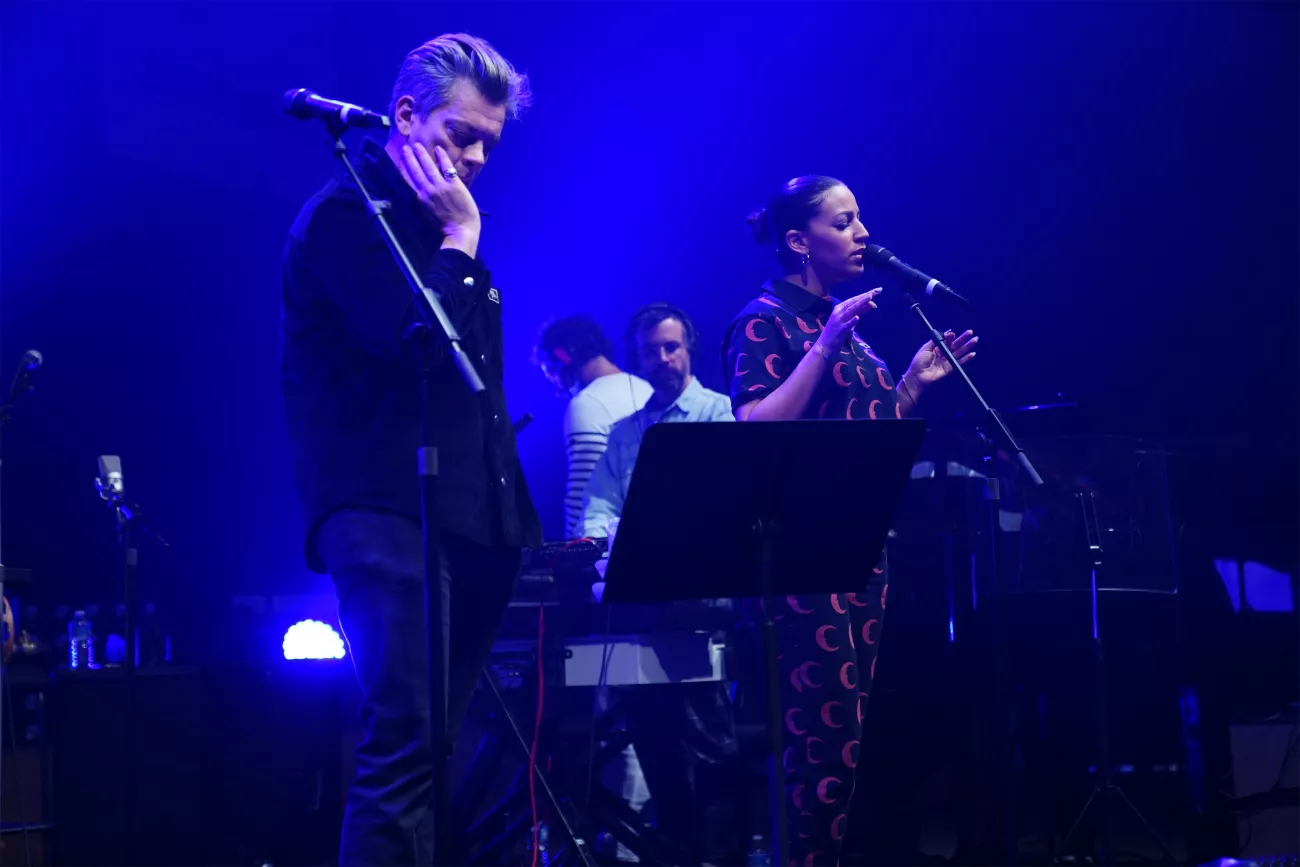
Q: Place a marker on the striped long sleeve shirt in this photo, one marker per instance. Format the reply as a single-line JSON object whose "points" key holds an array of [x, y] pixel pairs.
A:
{"points": [[587, 423]]}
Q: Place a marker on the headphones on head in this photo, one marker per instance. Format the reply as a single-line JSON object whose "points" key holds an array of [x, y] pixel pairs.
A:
{"points": [[657, 312], [577, 341], [561, 357], [554, 361]]}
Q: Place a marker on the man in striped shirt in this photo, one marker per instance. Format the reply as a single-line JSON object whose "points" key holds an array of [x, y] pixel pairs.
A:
{"points": [[574, 354]]}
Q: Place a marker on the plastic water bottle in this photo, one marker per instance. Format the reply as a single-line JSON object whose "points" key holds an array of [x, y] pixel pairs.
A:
{"points": [[81, 642], [543, 837], [758, 855]]}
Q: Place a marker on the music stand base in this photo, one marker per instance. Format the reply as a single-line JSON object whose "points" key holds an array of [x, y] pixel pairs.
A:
{"points": [[780, 835], [1104, 796]]}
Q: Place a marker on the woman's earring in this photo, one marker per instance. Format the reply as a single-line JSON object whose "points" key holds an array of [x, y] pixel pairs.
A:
{"points": [[803, 261]]}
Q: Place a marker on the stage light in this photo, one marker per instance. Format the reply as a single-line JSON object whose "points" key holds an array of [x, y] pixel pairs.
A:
{"points": [[311, 639]]}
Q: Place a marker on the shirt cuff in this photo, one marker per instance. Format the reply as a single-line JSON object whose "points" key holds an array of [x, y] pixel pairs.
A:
{"points": [[453, 258], [455, 265]]}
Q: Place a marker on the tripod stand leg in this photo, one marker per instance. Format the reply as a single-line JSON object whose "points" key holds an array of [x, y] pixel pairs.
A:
{"points": [[1065, 844], [775, 729], [1169, 855], [579, 844]]}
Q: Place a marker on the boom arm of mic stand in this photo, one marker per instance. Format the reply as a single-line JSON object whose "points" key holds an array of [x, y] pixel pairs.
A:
{"points": [[431, 311], [1008, 441], [130, 514], [127, 513]]}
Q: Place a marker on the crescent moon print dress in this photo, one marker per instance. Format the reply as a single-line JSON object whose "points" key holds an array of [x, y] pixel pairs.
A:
{"points": [[828, 644]]}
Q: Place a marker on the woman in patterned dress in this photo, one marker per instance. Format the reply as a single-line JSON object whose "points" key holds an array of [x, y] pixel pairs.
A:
{"points": [[792, 353]]}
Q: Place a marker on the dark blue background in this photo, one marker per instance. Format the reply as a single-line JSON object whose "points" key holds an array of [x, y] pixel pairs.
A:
{"points": [[1114, 184]]}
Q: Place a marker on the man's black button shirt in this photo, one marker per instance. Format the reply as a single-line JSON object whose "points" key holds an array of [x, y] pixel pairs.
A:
{"points": [[351, 383]]}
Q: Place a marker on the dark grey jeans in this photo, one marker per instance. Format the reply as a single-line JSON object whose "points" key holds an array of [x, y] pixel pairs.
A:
{"points": [[377, 564]]}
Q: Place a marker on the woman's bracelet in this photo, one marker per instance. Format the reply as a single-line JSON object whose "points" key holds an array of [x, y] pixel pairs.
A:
{"points": [[902, 380]]}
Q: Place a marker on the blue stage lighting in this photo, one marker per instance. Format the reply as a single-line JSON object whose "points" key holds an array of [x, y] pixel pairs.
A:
{"points": [[311, 639]]}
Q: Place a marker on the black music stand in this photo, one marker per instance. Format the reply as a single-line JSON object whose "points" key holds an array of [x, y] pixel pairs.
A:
{"points": [[1102, 524], [715, 510]]}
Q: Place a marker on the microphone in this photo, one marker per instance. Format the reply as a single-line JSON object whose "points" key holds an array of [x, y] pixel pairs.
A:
{"points": [[22, 381], [305, 104], [31, 360], [110, 474], [909, 276], [113, 491]]}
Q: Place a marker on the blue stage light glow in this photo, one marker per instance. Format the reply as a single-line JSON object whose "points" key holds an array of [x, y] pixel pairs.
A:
{"points": [[311, 639]]}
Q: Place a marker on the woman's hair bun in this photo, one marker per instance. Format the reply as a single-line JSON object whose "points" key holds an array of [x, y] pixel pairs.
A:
{"points": [[760, 226]]}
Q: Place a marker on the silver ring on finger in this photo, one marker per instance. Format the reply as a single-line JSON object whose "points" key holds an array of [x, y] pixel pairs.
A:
{"points": [[450, 174]]}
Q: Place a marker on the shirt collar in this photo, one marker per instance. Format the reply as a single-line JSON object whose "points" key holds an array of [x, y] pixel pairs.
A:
{"points": [[691, 397], [796, 298], [376, 168]]}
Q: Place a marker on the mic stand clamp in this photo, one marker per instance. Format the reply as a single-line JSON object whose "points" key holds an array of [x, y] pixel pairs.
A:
{"points": [[433, 332]]}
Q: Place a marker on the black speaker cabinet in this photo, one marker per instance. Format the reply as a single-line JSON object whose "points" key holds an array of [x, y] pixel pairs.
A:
{"points": [[126, 775], [25, 808], [273, 790], [238, 765]]}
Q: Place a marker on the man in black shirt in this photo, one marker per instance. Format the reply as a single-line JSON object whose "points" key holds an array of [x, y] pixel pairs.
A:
{"points": [[352, 402]]}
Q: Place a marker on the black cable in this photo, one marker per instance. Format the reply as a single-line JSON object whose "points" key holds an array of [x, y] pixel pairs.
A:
{"points": [[607, 650], [606, 654], [640, 425]]}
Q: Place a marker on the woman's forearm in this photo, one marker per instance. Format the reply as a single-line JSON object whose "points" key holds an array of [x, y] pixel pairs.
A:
{"points": [[909, 394], [790, 399]]}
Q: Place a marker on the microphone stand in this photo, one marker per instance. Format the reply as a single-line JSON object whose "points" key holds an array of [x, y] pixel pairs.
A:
{"points": [[1002, 690], [127, 516], [1002, 433], [434, 327]]}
